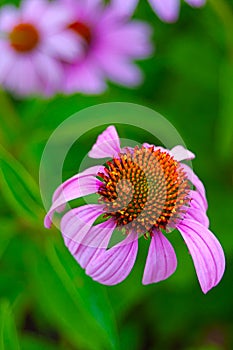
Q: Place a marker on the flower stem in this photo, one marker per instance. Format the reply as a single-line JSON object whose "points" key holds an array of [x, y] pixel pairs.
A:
{"points": [[9, 119], [225, 13]]}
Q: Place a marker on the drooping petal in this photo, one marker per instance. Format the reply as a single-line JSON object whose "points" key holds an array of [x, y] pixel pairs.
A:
{"points": [[119, 68], [198, 215], [96, 240], [6, 62], [17, 81], [85, 77], [76, 187], [107, 144], [77, 222], [161, 260], [197, 183], [33, 9], [196, 3], [180, 153], [64, 46], [206, 252], [112, 266], [123, 7], [50, 72], [8, 17], [197, 200], [167, 10], [89, 171], [134, 31]]}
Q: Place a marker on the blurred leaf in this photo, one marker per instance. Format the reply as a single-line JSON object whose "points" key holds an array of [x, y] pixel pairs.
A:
{"points": [[225, 127], [73, 307], [93, 294], [18, 187], [9, 340], [8, 229]]}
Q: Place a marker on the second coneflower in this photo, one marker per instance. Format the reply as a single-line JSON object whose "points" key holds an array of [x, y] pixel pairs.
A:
{"points": [[110, 41], [142, 191]]}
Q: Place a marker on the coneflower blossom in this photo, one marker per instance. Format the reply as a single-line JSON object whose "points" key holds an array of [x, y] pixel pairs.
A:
{"points": [[167, 10], [110, 41], [142, 191], [33, 44]]}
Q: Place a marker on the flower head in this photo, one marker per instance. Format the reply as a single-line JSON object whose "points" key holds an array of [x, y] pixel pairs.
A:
{"points": [[142, 191], [109, 42], [33, 44]]}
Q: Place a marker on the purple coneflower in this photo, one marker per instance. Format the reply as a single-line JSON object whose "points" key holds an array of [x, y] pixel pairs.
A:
{"points": [[110, 41], [142, 191], [33, 42]]}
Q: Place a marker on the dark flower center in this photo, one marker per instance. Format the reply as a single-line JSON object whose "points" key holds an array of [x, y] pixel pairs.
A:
{"points": [[81, 29], [144, 189], [24, 37]]}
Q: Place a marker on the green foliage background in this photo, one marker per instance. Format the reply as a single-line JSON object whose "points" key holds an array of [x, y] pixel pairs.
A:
{"points": [[46, 300]]}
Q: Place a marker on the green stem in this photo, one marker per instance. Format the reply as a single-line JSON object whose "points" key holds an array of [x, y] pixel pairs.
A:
{"points": [[9, 119]]}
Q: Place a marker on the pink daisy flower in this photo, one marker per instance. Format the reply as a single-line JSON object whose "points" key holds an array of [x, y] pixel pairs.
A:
{"points": [[167, 10], [110, 41], [33, 42], [142, 191]]}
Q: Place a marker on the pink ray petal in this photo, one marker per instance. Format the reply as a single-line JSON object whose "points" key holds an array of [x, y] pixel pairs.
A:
{"points": [[197, 200], [107, 144], [167, 10], [6, 62], [77, 222], [161, 260], [112, 266], [98, 238], [76, 187], [50, 72], [89, 171], [63, 45], [9, 16], [206, 252], [180, 153], [86, 77], [119, 68], [198, 215], [197, 183], [196, 3], [134, 31], [33, 9], [124, 7]]}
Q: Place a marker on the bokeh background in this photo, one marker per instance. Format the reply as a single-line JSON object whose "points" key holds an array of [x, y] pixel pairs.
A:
{"points": [[46, 300]]}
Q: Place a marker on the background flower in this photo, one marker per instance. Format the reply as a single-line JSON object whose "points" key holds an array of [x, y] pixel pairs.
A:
{"points": [[106, 55], [33, 43]]}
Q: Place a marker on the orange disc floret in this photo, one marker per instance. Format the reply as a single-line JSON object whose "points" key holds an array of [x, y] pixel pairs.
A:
{"points": [[144, 189], [24, 37]]}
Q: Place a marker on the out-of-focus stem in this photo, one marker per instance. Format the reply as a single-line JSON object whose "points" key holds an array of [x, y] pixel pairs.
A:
{"points": [[9, 119], [225, 13]]}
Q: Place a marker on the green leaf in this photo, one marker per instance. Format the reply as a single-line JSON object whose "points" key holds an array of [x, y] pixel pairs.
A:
{"points": [[8, 230], [71, 305], [18, 187], [93, 294], [9, 340]]}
